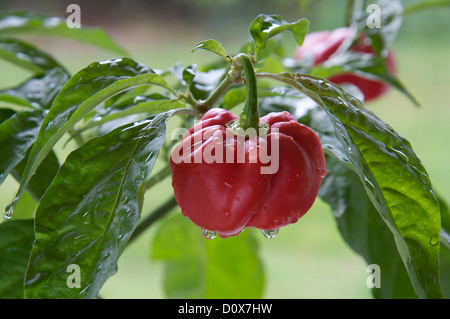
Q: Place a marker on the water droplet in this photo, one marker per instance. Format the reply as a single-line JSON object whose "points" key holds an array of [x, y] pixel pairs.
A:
{"points": [[208, 234], [227, 184], [237, 199], [227, 213], [323, 84], [272, 233], [278, 220], [322, 172], [9, 210], [305, 183], [434, 240]]}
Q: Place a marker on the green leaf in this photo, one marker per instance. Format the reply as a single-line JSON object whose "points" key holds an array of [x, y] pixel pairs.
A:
{"points": [[265, 27], [391, 18], [362, 64], [363, 229], [90, 210], [85, 90], [189, 75], [392, 174], [39, 91], [444, 257], [140, 105], [199, 268], [32, 23], [212, 46], [16, 239], [26, 55], [17, 135], [43, 177]]}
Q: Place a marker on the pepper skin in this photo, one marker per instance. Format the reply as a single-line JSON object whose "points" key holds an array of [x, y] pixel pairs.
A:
{"points": [[322, 44], [227, 195]]}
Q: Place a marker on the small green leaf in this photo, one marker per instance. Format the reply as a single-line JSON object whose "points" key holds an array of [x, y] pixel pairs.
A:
{"points": [[213, 46], [199, 268], [26, 55], [90, 210], [32, 23], [189, 75], [16, 239], [392, 174], [265, 27], [85, 90]]}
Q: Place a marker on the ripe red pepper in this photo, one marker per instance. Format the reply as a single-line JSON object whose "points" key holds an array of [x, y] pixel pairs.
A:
{"points": [[322, 44], [224, 182]]}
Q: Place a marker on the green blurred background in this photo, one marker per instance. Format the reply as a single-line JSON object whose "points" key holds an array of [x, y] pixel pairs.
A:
{"points": [[308, 259]]}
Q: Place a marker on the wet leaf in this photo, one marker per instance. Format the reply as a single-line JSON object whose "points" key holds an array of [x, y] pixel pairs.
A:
{"points": [[26, 55], [265, 27], [32, 23], [212, 46], [90, 210], [85, 90], [392, 174], [16, 239]]}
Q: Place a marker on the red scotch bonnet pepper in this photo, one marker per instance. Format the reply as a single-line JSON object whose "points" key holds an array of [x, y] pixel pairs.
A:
{"points": [[322, 44], [225, 181]]}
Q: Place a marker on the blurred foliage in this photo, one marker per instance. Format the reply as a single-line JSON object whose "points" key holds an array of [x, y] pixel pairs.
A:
{"points": [[214, 15]]}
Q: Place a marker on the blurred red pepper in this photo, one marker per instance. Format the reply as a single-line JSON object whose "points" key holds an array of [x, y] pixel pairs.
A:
{"points": [[225, 182], [322, 44]]}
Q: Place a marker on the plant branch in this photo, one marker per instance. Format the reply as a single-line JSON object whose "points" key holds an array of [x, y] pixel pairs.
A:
{"points": [[158, 177], [161, 211], [232, 75]]}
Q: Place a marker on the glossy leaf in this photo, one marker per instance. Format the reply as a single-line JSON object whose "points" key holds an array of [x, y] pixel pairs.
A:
{"points": [[364, 230], [37, 92], [199, 268], [444, 257], [16, 239], [17, 135], [391, 17], [90, 210], [365, 65], [32, 23], [189, 75], [212, 46], [43, 177], [265, 27], [85, 90], [392, 174], [26, 55]]}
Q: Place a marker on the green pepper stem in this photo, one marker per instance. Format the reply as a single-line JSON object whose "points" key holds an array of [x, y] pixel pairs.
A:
{"points": [[230, 78], [249, 117]]}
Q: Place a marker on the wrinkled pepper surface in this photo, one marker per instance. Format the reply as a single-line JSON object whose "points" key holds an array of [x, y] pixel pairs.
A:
{"points": [[226, 181]]}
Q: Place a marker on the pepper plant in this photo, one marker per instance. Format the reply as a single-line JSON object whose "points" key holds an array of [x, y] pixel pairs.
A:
{"points": [[116, 113]]}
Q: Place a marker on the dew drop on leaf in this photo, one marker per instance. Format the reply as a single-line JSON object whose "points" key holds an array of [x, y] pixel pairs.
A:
{"points": [[272, 233], [208, 234], [434, 240]]}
